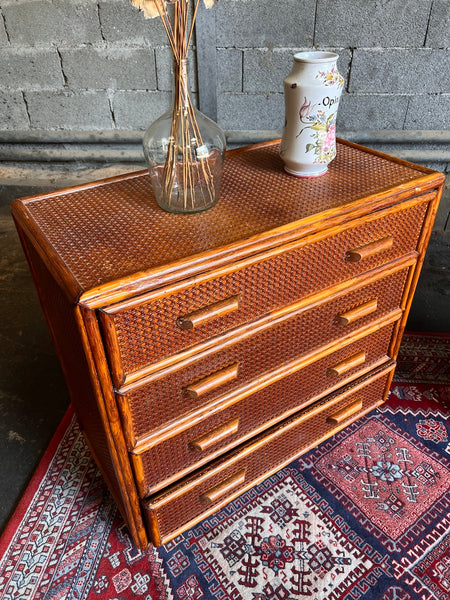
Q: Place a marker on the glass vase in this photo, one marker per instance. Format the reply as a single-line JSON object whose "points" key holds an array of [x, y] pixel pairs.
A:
{"points": [[185, 152]]}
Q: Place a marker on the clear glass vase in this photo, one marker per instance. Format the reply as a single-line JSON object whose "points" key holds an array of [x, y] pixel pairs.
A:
{"points": [[185, 152]]}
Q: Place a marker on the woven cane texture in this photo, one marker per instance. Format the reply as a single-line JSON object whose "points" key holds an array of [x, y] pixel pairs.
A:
{"points": [[174, 455], [162, 401], [148, 332], [115, 229], [279, 450]]}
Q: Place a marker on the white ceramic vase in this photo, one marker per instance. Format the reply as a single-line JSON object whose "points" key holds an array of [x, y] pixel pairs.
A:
{"points": [[312, 91]]}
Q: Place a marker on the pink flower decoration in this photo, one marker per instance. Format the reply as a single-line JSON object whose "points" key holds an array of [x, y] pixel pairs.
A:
{"points": [[331, 136]]}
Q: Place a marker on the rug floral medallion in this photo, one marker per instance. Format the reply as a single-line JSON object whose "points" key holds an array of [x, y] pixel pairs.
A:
{"points": [[363, 516]]}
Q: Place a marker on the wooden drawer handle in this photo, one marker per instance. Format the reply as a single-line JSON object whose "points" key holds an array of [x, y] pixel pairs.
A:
{"points": [[223, 488], [345, 413], [197, 389], [368, 250], [209, 313], [347, 364], [216, 435], [356, 313]]}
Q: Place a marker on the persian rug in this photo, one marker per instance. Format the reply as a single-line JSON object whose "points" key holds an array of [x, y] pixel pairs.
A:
{"points": [[363, 516]]}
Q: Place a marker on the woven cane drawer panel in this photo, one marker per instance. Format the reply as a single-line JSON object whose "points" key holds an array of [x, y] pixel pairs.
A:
{"points": [[148, 332], [199, 495], [164, 398], [174, 457]]}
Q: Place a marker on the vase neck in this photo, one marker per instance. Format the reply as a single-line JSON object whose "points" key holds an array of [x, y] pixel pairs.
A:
{"points": [[313, 62], [313, 67]]}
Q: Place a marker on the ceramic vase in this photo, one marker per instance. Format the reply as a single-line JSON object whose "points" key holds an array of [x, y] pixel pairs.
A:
{"points": [[312, 91]]}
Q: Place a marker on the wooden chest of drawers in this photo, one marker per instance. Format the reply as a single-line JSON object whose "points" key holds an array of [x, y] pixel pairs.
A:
{"points": [[204, 352]]}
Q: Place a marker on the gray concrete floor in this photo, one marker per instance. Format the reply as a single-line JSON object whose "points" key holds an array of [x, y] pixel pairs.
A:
{"points": [[33, 396]]}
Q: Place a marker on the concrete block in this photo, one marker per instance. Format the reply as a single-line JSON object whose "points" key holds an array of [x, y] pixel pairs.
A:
{"points": [[30, 69], [164, 69], [250, 111], [68, 110], [362, 112], [229, 70], [120, 21], [429, 112], [265, 70], [45, 22], [418, 71], [109, 68], [247, 24], [395, 23], [13, 112], [438, 35], [138, 109]]}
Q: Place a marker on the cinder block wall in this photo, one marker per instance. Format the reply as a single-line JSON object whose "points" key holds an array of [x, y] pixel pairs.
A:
{"points": [[392, 55], [80, 65], [99, 65]]}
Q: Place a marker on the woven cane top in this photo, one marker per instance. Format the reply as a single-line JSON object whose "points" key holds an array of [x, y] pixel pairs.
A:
{"points": [[114, 230]]}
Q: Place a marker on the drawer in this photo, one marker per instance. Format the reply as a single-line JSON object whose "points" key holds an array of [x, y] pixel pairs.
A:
{"points": [[143, 331], [144, 407], [163, 460], [184, 504]]}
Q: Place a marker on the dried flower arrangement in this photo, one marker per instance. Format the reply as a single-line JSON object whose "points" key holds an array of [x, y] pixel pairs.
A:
{"points": [[188, 168], [156, 8]]}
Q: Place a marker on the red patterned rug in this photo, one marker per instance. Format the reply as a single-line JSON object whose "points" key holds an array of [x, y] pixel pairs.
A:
{"points": [[363, 516]]}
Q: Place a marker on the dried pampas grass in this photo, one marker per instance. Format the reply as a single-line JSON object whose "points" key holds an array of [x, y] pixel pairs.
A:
{"points": [[148, 7], [154, 8]]}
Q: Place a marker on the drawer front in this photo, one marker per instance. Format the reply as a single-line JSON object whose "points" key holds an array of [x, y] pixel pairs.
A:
{"points": [[171, 458], [149, 329], [168, 397], [185, 504]]}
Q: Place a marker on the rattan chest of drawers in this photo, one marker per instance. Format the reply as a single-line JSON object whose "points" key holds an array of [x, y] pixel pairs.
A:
{"points": [[204, 352]]}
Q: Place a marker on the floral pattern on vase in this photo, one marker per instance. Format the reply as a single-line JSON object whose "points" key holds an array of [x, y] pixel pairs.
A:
{"points": [[312, 95], [323, 134], [331, 77]]}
